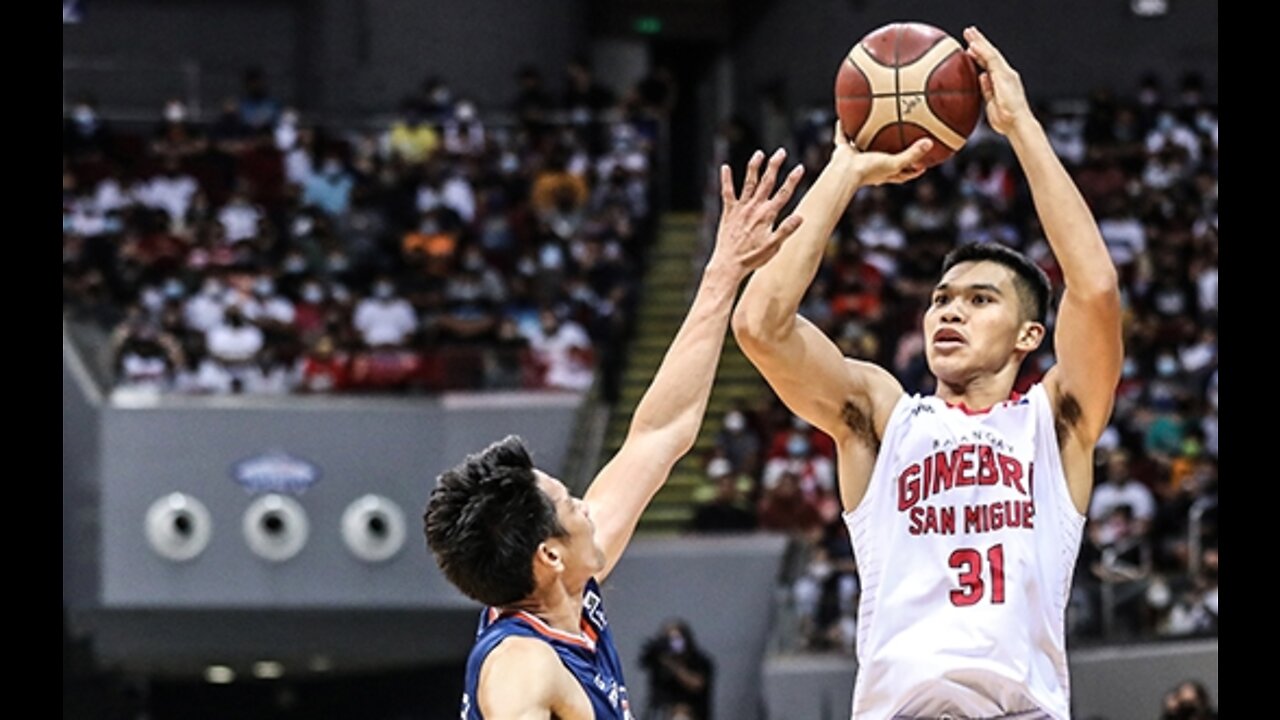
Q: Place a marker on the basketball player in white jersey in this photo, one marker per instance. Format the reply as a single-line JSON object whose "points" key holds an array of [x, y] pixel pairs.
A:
{"points": [[966, 507]]}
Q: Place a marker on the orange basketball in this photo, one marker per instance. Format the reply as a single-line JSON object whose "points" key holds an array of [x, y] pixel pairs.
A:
{"points": [[905, 81]]}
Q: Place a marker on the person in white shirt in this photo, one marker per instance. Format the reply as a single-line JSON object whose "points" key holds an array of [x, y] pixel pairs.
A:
{"points": [[385, 319], [171, 191], [239, 219], [206, 309], [1120, 489], [564, 349]]}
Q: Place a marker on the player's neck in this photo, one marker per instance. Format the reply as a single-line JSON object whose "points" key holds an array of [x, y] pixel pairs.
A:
{"points": [[977, 394], [556, 605]]}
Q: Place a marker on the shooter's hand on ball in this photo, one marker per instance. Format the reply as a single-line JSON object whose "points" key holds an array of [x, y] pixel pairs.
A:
{"points": [[1006, 100], [877, 168]]}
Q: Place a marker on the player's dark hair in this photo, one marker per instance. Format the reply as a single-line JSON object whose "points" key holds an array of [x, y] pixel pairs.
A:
{"points": [[484, 521], [1030, 282]]}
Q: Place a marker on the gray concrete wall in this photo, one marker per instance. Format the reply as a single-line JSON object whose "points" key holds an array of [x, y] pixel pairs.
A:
{"points": [[724, 589], [80, 497], [394, 448]]}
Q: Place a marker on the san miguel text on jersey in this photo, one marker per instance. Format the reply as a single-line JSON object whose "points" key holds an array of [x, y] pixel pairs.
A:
{"points": [[925, 487]]}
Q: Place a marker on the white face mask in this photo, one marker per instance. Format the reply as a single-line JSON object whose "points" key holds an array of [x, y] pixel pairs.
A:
{"points": [[295, 264], [175, 112], [734, 422], [83, 114], [1166, 365]]}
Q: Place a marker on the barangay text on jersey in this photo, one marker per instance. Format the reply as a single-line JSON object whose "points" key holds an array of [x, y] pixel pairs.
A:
{"points": [[928, 489]]}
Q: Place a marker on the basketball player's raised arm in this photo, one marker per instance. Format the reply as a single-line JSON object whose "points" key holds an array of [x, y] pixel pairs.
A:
{"points": [[1087, 339], [667, 419], [804, 367]]}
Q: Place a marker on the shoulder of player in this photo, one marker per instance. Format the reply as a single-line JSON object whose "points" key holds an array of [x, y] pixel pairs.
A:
{"points": [[520, 669], [516, 650]]}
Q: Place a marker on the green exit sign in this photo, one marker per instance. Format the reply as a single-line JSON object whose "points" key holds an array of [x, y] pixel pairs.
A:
{"points": [[647, 25]]}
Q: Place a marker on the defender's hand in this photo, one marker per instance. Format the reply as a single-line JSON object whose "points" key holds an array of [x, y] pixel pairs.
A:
{"points": [[746, 238]]}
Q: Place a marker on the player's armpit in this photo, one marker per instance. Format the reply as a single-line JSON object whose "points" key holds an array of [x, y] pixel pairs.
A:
{"points": [[1089, 350], [521, 679], [842, 397]]}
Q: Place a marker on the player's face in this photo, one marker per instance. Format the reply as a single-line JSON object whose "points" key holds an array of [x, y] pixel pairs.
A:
{"points": [[974, 322], [582, 555]]}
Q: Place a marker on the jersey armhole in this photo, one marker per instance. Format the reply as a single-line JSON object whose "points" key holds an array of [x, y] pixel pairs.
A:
{"points": [[1047, 425], [890, 427]]}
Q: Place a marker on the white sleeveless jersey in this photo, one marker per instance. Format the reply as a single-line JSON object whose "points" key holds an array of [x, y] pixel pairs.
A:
{"points": [[965, 541]]}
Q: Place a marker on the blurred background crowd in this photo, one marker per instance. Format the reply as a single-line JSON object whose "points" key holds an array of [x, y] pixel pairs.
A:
{"points": [[257, 252]]}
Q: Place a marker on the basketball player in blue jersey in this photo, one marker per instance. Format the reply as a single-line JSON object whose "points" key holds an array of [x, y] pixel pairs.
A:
{"points": [[965, 508], [512, 537]]}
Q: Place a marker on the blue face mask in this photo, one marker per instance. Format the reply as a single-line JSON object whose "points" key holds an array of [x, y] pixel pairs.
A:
{"points": [[1130, 368], [797, 446]]}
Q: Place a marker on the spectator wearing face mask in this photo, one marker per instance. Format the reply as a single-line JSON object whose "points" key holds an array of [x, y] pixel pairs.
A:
{"points": [[271, 311], [728, 509], [1119, 487], [172, 191], [85, 136], [472, 296], [206, 309], [820, 441], [323, 369], [385, 319], [564, 350], [310, 312], [330, 188], [234, 344], [146, 358], [175, 137], [739, 442], [240, 219], [411, 138], [258, 108], [680, 675], [814, 473], [1188, 701]]}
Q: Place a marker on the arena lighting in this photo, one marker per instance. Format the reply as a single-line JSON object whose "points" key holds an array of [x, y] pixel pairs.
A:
{"points": [[268, 670], [219, 674], [1149, 8]]}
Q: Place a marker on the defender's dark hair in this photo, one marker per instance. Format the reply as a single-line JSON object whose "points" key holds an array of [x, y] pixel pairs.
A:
{"points": [[1030, 281], [484, 521]]}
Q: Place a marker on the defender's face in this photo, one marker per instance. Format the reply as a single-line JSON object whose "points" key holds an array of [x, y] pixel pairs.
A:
{"points": [[581, 553], [974, 322]]}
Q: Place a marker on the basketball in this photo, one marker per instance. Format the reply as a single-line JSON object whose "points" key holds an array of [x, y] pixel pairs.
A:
{"points": [[905, 81]]}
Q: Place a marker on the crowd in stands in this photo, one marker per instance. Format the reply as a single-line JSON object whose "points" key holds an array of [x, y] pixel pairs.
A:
{"points": [[1147, 165], [256, 251]]}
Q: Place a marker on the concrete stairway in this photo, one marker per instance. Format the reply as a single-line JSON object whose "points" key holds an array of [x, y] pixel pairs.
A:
{"points": [[667, 291]]}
